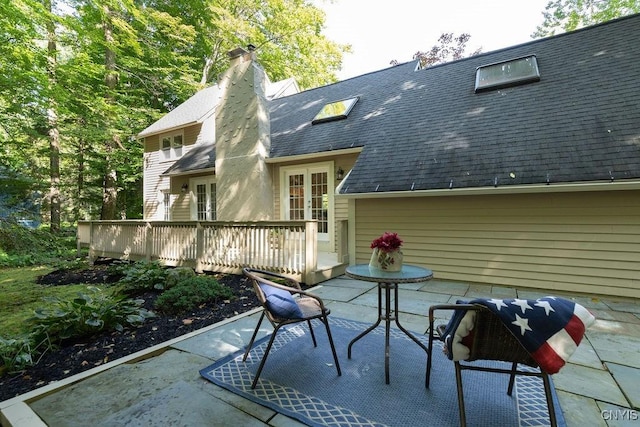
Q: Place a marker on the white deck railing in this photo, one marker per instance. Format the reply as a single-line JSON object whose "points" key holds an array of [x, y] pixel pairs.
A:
{"points": [[288, 247]]}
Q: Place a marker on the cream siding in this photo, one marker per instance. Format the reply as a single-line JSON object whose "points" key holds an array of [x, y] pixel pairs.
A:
{"points": [[154, 184], [581, 242], [181, 209]]}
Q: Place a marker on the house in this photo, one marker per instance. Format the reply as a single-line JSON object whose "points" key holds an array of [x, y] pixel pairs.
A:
{"points": [[518, 167]]}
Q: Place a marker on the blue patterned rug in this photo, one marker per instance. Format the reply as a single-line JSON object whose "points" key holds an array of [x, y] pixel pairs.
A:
{"points": [[301, 381]]}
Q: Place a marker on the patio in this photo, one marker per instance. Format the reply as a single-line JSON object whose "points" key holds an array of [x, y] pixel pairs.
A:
{"points": [[599, 387]]}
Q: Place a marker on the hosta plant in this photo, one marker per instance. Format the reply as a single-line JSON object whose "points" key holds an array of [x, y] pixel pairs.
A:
{"points": [[88, 314]]}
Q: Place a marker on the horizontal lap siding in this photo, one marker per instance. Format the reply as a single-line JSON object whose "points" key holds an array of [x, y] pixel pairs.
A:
{"points": [[579, 242], [154, 167]]}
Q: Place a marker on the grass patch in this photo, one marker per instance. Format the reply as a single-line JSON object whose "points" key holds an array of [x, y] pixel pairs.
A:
{"points": [[21, 296]]}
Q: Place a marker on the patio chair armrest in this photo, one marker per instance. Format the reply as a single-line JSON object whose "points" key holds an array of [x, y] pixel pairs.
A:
{"points": [[315, 297]]}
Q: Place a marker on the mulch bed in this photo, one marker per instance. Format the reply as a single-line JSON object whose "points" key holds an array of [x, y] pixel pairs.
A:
{"points": [[75, 357]]}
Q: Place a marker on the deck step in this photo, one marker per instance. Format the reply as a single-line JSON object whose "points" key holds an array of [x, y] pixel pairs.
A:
{"points": [[326, 273]]}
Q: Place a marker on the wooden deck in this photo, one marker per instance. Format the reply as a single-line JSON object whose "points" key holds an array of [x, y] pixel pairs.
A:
{"points": [[287, 247]]}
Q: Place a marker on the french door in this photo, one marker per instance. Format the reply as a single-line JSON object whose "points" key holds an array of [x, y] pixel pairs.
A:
{"points": [[203, 199], [306, 196]]}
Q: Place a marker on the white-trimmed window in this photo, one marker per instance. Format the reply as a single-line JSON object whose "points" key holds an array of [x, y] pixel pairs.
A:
{"points": [[171, 146]]}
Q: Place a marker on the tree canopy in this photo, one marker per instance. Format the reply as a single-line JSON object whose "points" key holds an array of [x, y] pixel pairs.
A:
{"points": [[449, 48], [568, 15], [80, 78]]}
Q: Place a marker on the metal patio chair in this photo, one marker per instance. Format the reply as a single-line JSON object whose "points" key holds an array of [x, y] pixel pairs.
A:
{"points": [[284, 305], [490, 340]]}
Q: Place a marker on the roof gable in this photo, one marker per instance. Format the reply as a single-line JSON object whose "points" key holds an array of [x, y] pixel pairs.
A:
{"points": [[194, 110], [203, 104]]}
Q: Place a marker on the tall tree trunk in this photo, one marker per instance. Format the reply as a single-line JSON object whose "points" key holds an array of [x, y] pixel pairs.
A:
{"points": [[110, 192], [79, 181], [52, 123]]}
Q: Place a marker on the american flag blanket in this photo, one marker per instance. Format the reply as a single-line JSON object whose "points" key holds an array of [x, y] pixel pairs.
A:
{"points": [[550, 328]]}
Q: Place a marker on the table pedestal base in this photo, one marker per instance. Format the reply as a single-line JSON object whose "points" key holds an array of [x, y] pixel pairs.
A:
{"points": [[387, 316]]}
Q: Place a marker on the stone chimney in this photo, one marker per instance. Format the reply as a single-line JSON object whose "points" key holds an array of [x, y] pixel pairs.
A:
{"points": [[239, 55], [243, 180]]}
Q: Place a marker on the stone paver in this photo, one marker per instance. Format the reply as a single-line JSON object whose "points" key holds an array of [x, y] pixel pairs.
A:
{"points": [[580, 411], [589, 382], [445, 287], [339, 293], [219, 342], [169, 407], [629, 380], [586, 355], [615, 346], [626, 306], [99, 397]]}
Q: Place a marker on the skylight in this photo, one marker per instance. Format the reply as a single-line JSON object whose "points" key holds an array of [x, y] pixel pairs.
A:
{"points": [[335, 111], [508, 73]]}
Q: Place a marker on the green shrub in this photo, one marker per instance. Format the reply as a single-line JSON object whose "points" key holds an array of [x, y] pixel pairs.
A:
{"points": [[141, 276], [72, 264], [191, 293], [177, 275], [87, 315], [18, 353], [20, 246]]}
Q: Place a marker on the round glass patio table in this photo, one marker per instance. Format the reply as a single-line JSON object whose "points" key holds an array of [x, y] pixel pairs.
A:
{"points": [[388, 281]]}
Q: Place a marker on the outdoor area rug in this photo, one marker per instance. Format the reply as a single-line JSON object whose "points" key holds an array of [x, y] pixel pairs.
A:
{"points": [[301, 381]]}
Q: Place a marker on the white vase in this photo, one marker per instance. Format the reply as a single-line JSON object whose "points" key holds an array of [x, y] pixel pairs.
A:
{"points": [[386, 261]]}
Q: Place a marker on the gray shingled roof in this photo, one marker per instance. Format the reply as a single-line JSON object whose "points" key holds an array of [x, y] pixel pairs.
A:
{"points": [[427, 129], [193, 110], [200, 157]]}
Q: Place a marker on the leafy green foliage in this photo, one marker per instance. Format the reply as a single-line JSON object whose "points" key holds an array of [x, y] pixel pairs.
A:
{"points": [[21, 352], [87, 314], [20, 246], [568, 15], [191, 293], [63, 318], [450, 48], [119, 66], [15, 353], [141, 276], [177, 275]]}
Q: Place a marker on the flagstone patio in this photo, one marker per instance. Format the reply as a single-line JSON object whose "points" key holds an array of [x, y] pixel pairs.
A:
{"points": [[600, 386]]}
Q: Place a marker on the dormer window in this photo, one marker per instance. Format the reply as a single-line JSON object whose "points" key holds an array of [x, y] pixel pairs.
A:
{"points": [[508, 73], [171, 146], [335, 111]]}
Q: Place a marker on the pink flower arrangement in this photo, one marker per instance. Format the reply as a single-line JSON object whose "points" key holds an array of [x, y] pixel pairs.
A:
{"points": [[388, 242]]}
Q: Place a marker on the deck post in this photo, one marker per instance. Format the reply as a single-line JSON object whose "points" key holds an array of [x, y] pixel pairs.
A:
{"points": [[92, 251], [311, 250], [199, 247], [343, 240], [148, 236]]}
